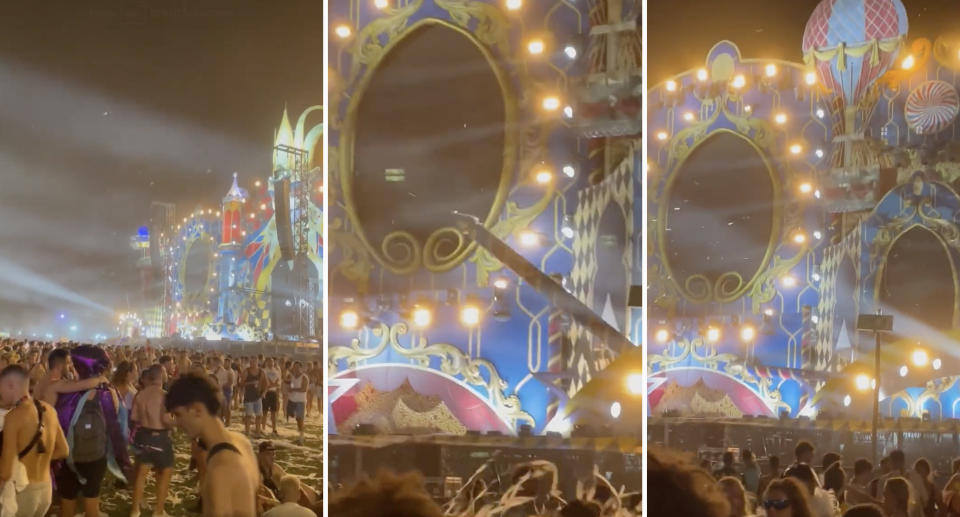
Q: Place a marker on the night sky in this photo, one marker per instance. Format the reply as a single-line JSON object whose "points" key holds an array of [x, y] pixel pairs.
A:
{"points": [[106, 106], [681, 32]]}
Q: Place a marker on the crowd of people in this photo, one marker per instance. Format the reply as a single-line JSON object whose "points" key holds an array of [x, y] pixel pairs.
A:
{"points": [[71, 413], [895, 488]]}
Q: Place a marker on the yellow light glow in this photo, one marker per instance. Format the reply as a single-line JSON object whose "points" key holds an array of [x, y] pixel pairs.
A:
{"points": [[535, 47], [748, 108], [501, 283], [799, 238], [771, 70], [863, 382], [422, 317], [343, 31], [796, 149], [513, 5], [661, 135], [780, 118], [908, 62], [702, 74], [551, 103], [713, 334], [252, 216], [920, 357], [688, 116], [381, 4], [529, 238], [470, 315], [662, 336], [263, 206], [256, 183], [789, 281], [544, 176], [739, 81], [810, 78], [671, 86], [806, 187], [635, 384], [748, 333], [349, 319]]}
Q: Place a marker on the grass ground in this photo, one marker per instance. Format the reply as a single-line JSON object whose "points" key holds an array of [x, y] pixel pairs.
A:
{"points": [[304, 461]]}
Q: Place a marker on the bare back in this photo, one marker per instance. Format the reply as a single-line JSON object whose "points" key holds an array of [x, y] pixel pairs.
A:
{"points": [[231, 481], [20, 427], [148, 408]]}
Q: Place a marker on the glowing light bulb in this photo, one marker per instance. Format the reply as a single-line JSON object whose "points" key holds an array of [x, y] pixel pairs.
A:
{"points": [[810, 78], [569, 171], [713, 334], [806, 187], [739, 81], [748, 333], [570, 51], [615, 410], [920, 357], [820, 113], [529, 238], [847, 400], [256, 183], [799, 238], [789, 281], [671, 86], [768, 312], [551, 103], [343, 31], [908, 62], [863, 382], [513, 5], [702, 74], [780, 118], [662, 336], [422, 317], [771, 70], [688, 116], [544, 176], [819, 153], [904, 371], [535, 47], [796, 149], [349, 319], [501, 283], [635, 384], [470, 315], [568, 111], [661, 135], [381, 4], [748, 108], [937, 363]]}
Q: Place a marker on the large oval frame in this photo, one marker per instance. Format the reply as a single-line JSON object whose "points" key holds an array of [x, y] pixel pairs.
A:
{"points": [[426, 254], [714, 293]]}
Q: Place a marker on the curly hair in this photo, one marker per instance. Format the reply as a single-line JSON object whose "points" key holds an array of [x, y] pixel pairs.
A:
{"points": [[387, 495], [677, 487]]}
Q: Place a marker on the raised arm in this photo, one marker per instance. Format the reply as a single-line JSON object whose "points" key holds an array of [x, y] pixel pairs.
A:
{"points": [[72, 386]]}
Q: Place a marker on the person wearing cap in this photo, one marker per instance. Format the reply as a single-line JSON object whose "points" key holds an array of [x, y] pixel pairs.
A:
{"points": [[272, 475]]}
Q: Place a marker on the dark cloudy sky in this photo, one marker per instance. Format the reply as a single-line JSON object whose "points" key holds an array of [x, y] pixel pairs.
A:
{"points": [[681, 32], [107, 105]]}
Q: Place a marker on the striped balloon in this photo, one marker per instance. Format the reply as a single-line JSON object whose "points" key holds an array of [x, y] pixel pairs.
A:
{"points": [[931, 107]]}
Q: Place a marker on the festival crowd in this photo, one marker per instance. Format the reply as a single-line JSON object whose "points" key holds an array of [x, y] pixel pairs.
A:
{"points": [[894, 488], [70, 413]]}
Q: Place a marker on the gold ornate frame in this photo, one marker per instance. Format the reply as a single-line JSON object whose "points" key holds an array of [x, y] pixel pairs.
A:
{"points": [[882, 267], [426, 254], [189, 300], [714, 291]]}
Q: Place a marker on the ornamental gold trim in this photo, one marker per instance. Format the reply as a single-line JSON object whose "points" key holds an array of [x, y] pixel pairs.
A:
{"points": [[399, 251]]}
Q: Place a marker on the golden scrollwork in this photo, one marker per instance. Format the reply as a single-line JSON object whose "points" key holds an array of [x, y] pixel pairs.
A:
{"points": [[920, 49], [945, 51], [400, 252], [730, 285], [354, 260], [453, 362]]}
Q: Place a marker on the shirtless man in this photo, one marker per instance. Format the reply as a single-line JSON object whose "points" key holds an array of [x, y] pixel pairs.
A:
{"points": [[55, 381], [227, 378], [151, 441], [230, 485], [31, 433], [271, 399]]}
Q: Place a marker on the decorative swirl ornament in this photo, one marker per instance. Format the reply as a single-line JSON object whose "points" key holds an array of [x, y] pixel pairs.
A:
{"points": [[932, 107]]}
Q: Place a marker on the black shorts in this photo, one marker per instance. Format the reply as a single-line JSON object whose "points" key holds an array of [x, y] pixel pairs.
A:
{"points": [[270, 402], [153, 447], [68, 483]]}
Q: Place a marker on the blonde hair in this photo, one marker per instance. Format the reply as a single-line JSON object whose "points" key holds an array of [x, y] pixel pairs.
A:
{"points": [[289, 489]]}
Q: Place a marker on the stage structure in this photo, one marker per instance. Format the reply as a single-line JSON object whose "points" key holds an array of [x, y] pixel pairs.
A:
{"points": [[525, 115], [787, 197], [224, 273]]}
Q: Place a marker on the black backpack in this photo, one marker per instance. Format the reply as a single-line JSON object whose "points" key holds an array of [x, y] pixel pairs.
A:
{"points": [[90, 432]]}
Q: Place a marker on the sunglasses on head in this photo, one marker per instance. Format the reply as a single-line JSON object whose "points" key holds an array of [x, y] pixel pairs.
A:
{"points": [[776, 504]]}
